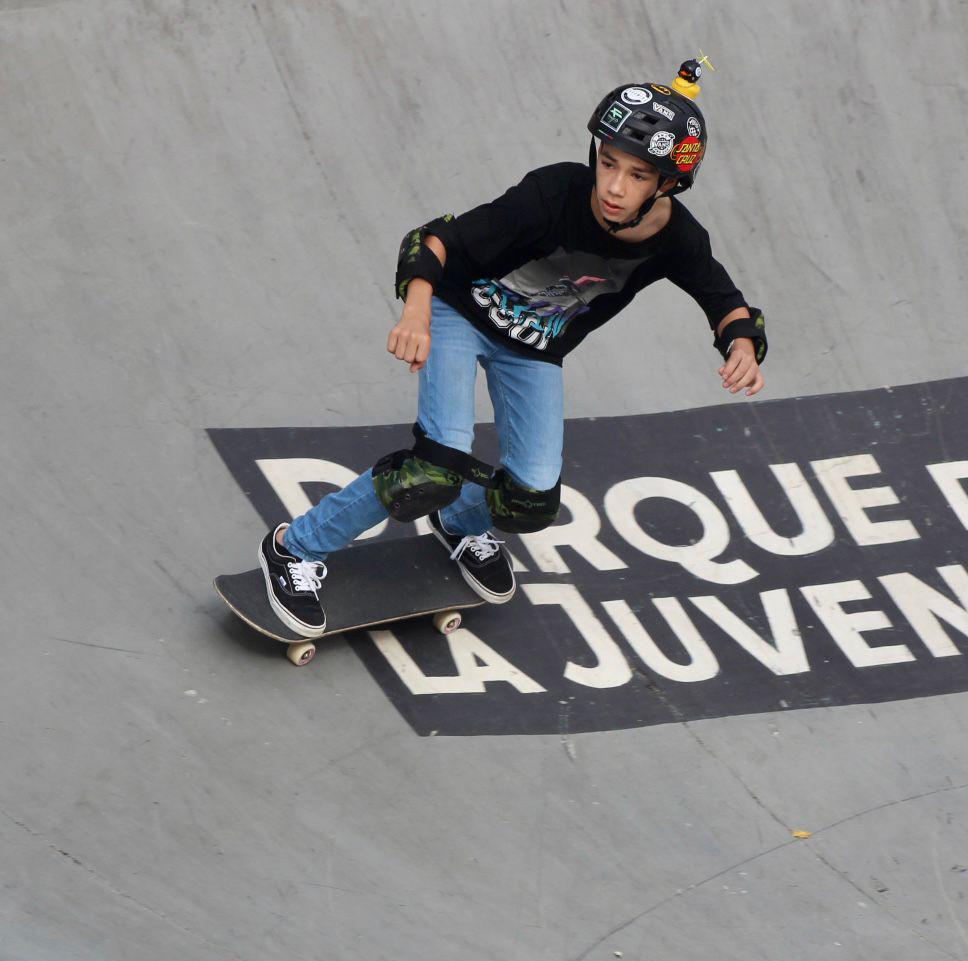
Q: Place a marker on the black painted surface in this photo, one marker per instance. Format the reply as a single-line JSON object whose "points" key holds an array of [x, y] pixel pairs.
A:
{"points": [[904, 428]]}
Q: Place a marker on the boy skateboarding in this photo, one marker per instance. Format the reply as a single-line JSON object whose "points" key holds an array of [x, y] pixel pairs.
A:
{"points": [[515, 285]]}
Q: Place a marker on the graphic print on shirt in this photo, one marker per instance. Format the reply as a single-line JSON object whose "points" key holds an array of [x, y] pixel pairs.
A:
{"points": [[535, 303]]}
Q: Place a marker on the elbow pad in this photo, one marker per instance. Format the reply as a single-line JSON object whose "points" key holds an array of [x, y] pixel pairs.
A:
{"points": [[753, 327], [416, 259]]}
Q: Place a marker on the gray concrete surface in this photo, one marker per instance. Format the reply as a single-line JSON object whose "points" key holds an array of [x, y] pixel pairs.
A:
{"points": [[200, 204]]}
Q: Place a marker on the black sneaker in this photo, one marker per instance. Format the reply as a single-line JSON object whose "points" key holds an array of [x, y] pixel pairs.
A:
{"points": [[483, 563], [293, 587]]}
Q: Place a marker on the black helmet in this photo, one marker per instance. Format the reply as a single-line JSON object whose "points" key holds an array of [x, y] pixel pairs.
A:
{"points": [[655, 123]]}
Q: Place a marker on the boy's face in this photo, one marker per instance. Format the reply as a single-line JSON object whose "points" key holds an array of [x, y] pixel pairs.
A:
{"points": [[623, 182]]}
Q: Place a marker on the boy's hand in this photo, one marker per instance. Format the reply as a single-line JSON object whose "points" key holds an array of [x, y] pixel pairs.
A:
{"points": [[741, 369], [409, 340]]}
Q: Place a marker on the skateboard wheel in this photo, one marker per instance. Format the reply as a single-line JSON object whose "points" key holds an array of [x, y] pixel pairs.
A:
{"points": [[301, 653], [447, 621]]}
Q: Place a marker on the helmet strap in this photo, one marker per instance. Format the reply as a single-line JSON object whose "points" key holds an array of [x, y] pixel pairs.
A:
{"points": [[614, 227]]}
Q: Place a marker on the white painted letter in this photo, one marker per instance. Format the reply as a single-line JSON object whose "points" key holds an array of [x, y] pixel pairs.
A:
{"points": [[923, 606], [846, 628], [816, 531], [288, 474], [702, 662], [476, 664], [580, 533], [948, 477], [620, 503], [784, 654], [850, 504], [612, 669]]}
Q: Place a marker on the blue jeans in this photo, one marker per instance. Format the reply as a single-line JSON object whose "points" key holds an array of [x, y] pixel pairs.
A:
{"points": [[528, 411]]}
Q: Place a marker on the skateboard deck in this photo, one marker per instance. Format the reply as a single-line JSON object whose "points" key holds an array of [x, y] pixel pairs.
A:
{"points": [[366, 585]]}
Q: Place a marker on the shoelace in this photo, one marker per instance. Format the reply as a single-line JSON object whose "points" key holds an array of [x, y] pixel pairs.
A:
{"points": [[307, 575], [482, 546]]}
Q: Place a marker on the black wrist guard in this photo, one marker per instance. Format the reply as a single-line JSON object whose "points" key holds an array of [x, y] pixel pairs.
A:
{"points": [[416, 259], [753, 327]]}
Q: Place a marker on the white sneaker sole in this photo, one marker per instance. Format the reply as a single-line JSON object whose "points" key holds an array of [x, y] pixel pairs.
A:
{"points": [[303, 630], [476, 586]]}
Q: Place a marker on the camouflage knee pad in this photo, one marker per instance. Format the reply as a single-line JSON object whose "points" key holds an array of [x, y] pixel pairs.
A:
{"points": [[425, 478], [521, 510]]}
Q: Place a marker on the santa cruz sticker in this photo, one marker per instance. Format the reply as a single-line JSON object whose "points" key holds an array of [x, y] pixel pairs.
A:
{"points": [[658, 88], [636, 95], [615, 116], [692, 125], [664, 110], [661, 143], [687, 154]]}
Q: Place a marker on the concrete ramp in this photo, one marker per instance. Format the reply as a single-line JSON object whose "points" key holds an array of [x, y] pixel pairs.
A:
{"points": [[725, 716]]}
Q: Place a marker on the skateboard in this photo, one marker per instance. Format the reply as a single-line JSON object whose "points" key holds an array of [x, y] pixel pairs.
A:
{"points": [[366, 585]]}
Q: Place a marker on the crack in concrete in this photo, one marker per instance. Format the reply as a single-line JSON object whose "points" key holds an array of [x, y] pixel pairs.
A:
{"points": [[100, 647], [682, 892], [105, 883]]}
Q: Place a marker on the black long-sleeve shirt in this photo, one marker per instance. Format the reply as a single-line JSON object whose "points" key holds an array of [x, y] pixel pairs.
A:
{"points": [[535, 270]]}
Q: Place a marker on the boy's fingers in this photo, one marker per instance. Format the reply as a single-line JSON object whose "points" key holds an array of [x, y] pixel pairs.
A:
{"points": [[734, 362], [753, 380], [743, 377], [409, 345], [404, 347], [420, 359], [749, 376], [741, 370], [732, 372]]}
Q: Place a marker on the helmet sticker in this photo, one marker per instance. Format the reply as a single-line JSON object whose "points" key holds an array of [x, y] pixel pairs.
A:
{"points": [[661, 143], [658, 88], [692, 125], [664, 110], [687, 154], [636, 95], [615, 116]]}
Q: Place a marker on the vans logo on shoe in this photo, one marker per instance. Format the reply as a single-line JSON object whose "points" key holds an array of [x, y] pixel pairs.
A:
{"points": [[282, 581]]}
